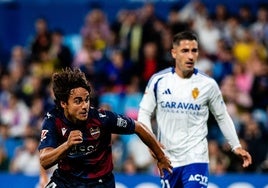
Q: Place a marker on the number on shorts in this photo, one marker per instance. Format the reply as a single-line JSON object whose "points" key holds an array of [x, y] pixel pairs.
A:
{"points": [[165, 183]]}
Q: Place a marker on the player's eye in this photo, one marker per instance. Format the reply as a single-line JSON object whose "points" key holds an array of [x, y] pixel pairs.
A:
{"points": [[195, 50], [184, 50], [87, 99], [77, 101]]}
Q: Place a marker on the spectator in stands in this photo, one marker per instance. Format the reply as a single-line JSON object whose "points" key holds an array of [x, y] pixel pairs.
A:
{"points": [[41, 40], [219, 161], [5, 151], [16, 115], [85, 54], [33, 86], [232, 31], [220, 16], [26, 158], [245, 15], [244, 48], [132, 96], [37, 113], [5, 90], [119, 152], [195, 13], [118, 70], [59, 51], [148, 19], [174, 22], [130, 35], [4, 161], [96, 27], [204, 63], [243, 78], [259, 88], [231, 97], [255, 135], [142, 158], [109, 99], [209, 35], [129, 166], [223, 61], [260, 25], [149, 63], [18, 59]]}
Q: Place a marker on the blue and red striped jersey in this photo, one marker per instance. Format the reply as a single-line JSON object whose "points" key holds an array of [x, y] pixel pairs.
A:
{"points": [[93, 157]]}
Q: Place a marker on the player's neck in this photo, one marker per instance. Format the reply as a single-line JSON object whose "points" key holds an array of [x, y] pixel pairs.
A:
{"points": [[184, 74]]}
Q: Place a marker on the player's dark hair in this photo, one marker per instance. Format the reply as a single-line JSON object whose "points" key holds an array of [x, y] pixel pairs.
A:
{"points": [[63, 82], [184, 35]]}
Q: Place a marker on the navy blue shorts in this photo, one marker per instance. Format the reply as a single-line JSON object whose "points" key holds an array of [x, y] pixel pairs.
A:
{"points": [[60, 180], [188, 176]]}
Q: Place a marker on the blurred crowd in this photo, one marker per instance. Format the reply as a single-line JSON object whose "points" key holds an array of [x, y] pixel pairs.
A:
{"points": [[119, 58]]}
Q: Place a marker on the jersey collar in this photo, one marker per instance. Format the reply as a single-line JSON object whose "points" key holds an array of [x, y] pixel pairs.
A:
{"points": [[173, 70]]}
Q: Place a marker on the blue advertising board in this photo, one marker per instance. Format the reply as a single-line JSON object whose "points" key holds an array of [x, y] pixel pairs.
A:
{"points": [[148, 181]]}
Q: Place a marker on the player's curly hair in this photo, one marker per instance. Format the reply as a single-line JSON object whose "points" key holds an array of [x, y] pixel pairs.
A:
{"points": [[66, 80]]}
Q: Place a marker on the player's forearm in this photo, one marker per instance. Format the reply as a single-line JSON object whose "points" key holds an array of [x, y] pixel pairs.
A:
{"points": [[43, 178], [50, 156], [228, 129], [43, 173], [148, 138]]}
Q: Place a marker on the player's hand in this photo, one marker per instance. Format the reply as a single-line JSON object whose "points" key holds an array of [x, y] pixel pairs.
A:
{"points": [[74, 138], [244, 155], [164, 164]]}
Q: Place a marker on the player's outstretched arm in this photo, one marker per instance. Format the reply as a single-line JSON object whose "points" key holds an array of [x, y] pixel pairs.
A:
{"points": [[148, 138], [244, 155]]}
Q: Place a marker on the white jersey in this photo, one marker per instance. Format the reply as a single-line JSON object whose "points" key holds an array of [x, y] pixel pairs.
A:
{"points": [[182, 109]]}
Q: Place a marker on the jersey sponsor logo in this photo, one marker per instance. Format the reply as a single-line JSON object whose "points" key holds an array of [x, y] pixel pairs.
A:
{"points": [[121, 122], [81, 150], [180, 105], [95, 132], [195, 93], [43, 134], [203, 180]]}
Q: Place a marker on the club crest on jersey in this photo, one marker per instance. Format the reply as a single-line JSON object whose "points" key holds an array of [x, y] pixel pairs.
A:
{"points": [[195, 93], [95, 132]]}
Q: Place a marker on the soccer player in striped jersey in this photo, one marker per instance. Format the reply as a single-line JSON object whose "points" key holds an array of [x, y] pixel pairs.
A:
{"points": [[77, 137], [182, 97]]}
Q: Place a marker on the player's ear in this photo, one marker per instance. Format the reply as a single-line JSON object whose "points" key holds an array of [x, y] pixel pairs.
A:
{"points": [[63, 104], [173, 53]]}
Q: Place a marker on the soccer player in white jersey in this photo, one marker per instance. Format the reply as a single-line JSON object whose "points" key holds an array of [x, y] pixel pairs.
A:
{"points": [[182, 97]]}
